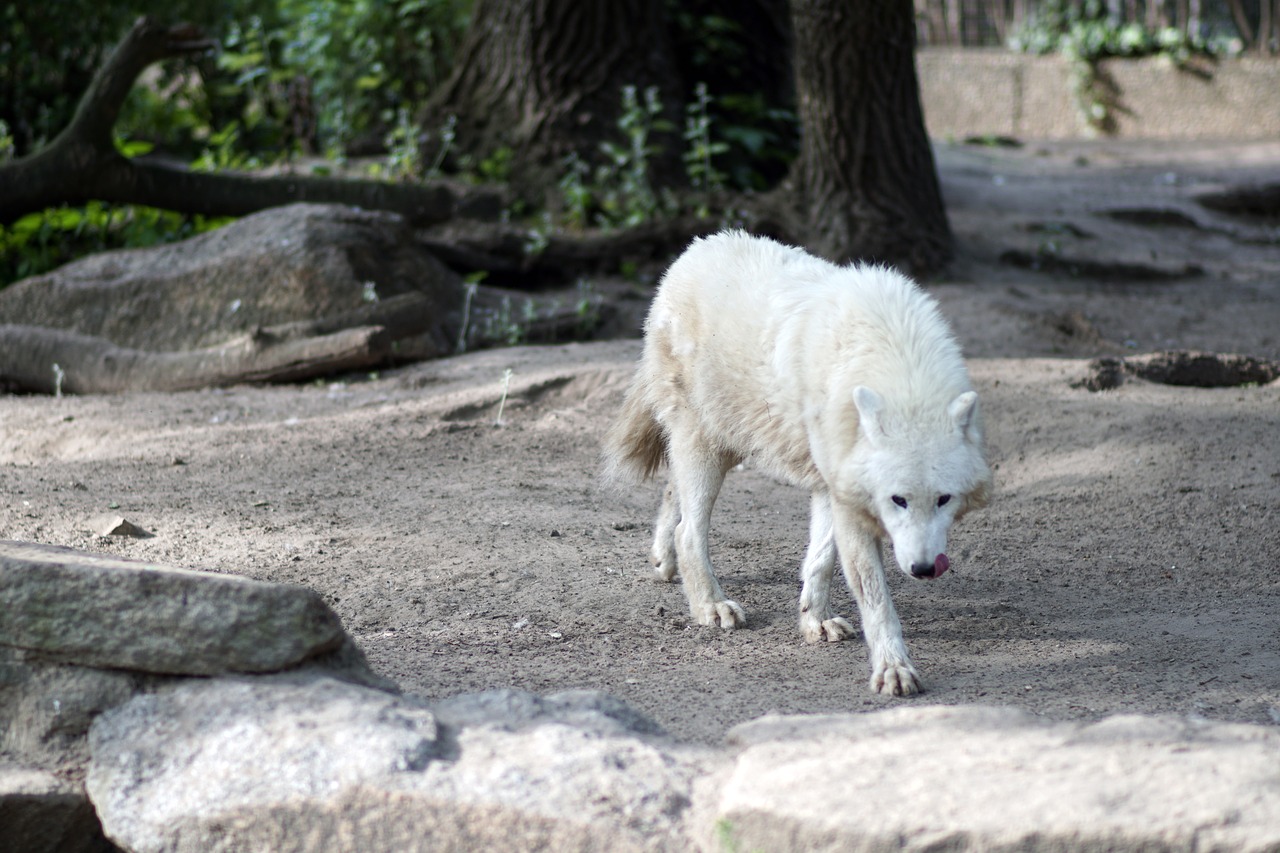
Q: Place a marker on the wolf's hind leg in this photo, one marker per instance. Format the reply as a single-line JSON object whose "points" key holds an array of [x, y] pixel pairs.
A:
{"points": [[697, 474], [818, 621], [663, 554]]}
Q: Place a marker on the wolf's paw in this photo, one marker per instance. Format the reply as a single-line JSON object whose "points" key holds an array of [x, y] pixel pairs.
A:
{"points": [[896, 679], [727, 614], [664, 564], [832, 629]]}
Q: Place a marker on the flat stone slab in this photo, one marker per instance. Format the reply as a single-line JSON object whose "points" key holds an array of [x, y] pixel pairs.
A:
{"points": [[104, 611], [978, 778], [298, 763]]}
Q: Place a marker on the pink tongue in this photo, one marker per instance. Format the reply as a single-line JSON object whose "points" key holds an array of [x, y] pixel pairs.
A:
{"points": [[940, 565]]}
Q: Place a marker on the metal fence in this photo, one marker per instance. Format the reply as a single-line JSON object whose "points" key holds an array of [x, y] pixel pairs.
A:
{"points": [[992, 23]]}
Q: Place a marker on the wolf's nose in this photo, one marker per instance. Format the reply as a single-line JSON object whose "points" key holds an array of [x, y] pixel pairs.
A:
{"points": [[922, 570]]}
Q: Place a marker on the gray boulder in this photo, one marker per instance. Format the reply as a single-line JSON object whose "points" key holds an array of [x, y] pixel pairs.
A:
{"points": [[973, 778], [83, 633], [46, 709], [286, 264], [297, 763], [94, 610]]}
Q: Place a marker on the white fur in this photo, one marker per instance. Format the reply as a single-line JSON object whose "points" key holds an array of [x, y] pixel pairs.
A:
{"points": [[845, 380]]}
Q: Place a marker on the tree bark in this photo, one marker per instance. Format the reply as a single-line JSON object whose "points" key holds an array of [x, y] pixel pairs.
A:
{"points": [[82, 162], [866, 180], [543, 79]]}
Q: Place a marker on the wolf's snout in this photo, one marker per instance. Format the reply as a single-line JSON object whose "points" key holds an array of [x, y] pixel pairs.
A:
{"points": [[931, 570]]}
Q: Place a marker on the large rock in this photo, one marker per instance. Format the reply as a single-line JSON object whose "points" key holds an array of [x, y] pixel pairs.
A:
{"points": [[993, 779], [295, 763], [299, 262], [89, 609], [46, 709], [40, 813]]}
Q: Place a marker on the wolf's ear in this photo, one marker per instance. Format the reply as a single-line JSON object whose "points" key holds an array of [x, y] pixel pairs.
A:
{"points": [[962, 410], [869, 404]]}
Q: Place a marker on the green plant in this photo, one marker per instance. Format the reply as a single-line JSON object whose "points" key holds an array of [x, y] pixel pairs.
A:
{"points": [[471, 284], [619, 192], [538, 237], [579, 198], [39, 242], [587, 307], [366, 59], [448, 133], [626, 195], [404, 158], [1085, 34], [6, 142], [506, 326], [701, 148], [496, 168], [506, 387], [224, 152]]}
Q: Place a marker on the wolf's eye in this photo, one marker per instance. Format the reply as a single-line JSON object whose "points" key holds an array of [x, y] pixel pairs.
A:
{"points": [[942, 501], [899, 500]]}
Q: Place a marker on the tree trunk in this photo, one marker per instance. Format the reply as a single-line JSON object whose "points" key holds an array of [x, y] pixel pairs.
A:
{"points": [[544, 78], [867, 184], [82, 162]]}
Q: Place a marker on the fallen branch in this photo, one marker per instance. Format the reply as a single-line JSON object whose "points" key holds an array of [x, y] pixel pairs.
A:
{"points": [[82, 162], [44, 360]]}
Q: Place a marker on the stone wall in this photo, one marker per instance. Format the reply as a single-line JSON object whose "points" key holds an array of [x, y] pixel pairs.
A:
{"points": [[1001, 93], [180, 738]]}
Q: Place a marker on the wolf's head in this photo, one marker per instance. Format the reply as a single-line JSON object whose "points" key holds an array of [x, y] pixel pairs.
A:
{"points": [[918, 474]]}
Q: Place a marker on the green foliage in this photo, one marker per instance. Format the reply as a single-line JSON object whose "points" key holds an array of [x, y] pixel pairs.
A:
{"points": [[49, 52], [366, 59], [347, 76], [620, 191], [254, 91], [39, 242], [6, 142], [698, 156], [587, 307], [627, 196], [751, 107], [1086, 34], [762, 139], [496, 168], [1090, 32], [510, 325], [224, 152]]}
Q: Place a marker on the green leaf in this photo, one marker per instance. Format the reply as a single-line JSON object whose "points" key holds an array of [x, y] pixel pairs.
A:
{"points": [[134, 147]]}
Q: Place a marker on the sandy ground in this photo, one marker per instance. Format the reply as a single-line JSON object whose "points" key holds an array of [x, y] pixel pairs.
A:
{"points": [[1125, 565]]}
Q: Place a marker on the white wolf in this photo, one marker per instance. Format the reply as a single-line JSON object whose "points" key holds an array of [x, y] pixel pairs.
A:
{"points": [[844, 380]]}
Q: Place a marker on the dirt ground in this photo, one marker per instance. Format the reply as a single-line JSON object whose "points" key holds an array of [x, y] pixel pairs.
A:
{"points": [[1125, 565]]}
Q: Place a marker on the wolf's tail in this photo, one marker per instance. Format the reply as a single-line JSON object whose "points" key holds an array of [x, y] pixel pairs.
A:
{"points": [[635, 446]]}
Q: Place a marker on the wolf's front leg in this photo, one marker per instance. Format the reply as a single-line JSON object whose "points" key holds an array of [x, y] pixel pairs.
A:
{"points": [[696, 475], [817, 620], [892, 672]]}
